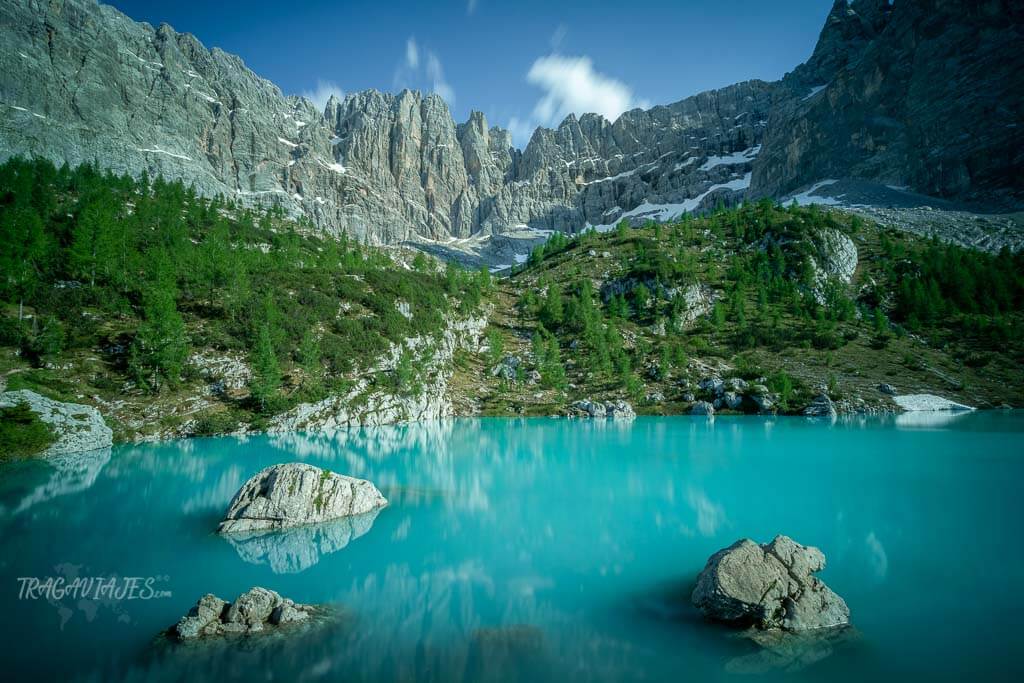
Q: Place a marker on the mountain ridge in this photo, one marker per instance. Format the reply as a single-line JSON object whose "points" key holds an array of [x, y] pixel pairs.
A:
{"points": [[83, 82]]}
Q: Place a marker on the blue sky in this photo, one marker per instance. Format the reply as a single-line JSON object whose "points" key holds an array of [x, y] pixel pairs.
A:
{"points": [[523, 63]]}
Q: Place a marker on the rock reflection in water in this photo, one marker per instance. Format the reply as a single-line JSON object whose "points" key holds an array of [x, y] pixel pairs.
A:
{"points": [[791, 652], [294, 550], [69, 473]]}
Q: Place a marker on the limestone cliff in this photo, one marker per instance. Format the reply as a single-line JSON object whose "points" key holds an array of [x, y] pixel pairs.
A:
{"points": [[918, 94]]}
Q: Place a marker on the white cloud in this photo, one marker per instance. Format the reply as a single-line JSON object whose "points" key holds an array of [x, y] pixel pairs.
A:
{"points": [[435, 73], [421, 68], [471, 6], [571, 86], [412, 53], [322, 92]]}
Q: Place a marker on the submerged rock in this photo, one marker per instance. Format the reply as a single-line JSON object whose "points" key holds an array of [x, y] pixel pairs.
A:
{"points": [[76, 428], [252, 612], [293, 494], [769, 586], [516, 652]]}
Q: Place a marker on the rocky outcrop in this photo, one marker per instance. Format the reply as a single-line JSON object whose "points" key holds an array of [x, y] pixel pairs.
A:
{"points": [[702, 408], [365, 404], [769, 586], [735, 393], [834, 260], [224, 373], [76, 427], [508, 368], [616, 410], [293, 494], [820, 406], [252, 612]]}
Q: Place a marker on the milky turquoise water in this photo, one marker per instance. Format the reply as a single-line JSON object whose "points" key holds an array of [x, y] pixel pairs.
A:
{"points": [[535, 550]]}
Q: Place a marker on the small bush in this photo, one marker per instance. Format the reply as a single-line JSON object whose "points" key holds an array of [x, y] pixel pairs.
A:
{"points": [[22, 433]]}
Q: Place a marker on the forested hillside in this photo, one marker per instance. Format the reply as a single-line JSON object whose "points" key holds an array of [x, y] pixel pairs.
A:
{"points": [[178, 315], [112, 285], [798, 300]]}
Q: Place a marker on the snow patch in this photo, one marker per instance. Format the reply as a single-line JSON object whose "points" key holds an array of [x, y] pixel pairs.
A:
{"points": [[157, 150], [920, 402], [287, 142], [814, 91], [624, 174], [683, 164], [807, 197], [666, 212], [744, 157]]}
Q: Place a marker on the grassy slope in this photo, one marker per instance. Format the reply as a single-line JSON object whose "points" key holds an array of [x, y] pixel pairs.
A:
{"points": [[941, 358]]}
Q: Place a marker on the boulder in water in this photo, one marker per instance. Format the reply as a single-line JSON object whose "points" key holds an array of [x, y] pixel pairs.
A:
{"points": [[293, 494], [769, 586], [252, 612]]}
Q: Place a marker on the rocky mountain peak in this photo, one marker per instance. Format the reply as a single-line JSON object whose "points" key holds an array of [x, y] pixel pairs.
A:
{"points": [[893, 93]]}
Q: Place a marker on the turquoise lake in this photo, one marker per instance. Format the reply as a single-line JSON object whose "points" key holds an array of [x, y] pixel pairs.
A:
{"points": [[540, 549]]}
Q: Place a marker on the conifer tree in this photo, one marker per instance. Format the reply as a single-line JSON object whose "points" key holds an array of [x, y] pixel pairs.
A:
{"points": [[266, 373]]}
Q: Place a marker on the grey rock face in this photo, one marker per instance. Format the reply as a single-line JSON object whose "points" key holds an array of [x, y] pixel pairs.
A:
{"points": [[917, 94], [251, 612], [769, 586], [762, 398], [836, 254], [293, 494], [77, 427], [920, 94], [713, 385], [731, 400]]}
